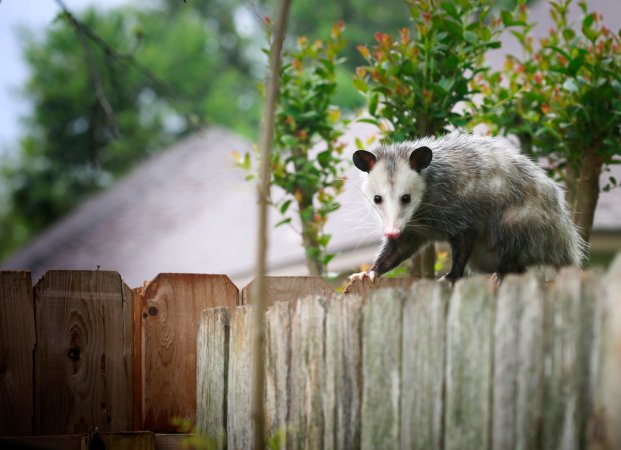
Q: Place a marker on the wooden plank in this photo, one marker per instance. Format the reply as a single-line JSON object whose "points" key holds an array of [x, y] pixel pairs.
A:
{"points": [[277, 358], [569, 324], [172, 304], [467, 418], [289, 289], [137, 400], [211, 371], [308, 377], [364, 288], [239, 396], [605, 426], [518, 364], [381, 369], [84, 354], [17, 342], [180, 441], [58, 442], [343, 390], [134, 440], [422, 374]]}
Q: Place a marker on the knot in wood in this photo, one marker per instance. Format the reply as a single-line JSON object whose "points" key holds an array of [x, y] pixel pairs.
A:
{"points": [[152, 311], [74, 354]]}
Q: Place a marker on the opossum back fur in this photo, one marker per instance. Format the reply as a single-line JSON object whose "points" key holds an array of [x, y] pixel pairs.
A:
{"points": [[482, 185]]}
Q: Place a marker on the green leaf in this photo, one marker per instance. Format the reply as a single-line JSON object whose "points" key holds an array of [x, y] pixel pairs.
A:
{"points": [[507, 18], [324, 158], [471, 37], [285, 206], [369, 120], [373, 101], [575, 65], [283, 222]]}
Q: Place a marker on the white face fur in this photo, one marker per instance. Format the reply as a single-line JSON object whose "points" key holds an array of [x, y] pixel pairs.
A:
{"points": [[396, 196]]}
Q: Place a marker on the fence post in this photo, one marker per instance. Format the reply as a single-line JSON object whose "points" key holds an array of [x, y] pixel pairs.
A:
{"points": [[424, 351], [469, 365], [17, 342], [518, 363], [381, 369], [212, 358]]}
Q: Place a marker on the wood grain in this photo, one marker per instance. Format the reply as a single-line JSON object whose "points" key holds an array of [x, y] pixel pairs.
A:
{"points": [[59, 442], [424, 347], [289, 289], [134, 440], [381, 369], [518, 364], [569, 326], [308, 374], [364, 288], [467, 417], [239, 396], [179, 441], [83, 360], [211, 372], [17, 342], [605, 424], [343, 390], [171, 308]]}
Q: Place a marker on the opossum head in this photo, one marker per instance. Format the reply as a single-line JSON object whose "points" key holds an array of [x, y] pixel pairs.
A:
{"points": [[394, 183]]}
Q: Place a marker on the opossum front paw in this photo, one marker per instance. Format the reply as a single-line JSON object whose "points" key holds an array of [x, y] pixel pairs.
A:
{"points": [[360, 276]]}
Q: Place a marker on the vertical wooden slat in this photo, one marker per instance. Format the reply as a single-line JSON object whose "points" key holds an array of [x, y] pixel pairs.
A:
{"points": [[365, 288], [605, 425], [211, 372], [289, 289], [17, 341], [172, 304], [308, 375], [277, 363], [568, 348], [381, 369], [137, 400], [518, 364], [84, 355], [343, 390], [424, 344], [469, 365], [239, 420]]}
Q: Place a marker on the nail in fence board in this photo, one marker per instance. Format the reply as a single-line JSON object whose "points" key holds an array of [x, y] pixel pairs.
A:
{"points": [[171, 308], [289, 289], [239, 396], [364, 288], [424, 344], [518, 363], [568, 348], [17, 342], [308, 374], [469, 365], [343, 388], [605, 426], [211, 370], [381, 369], [83, 359], [277, 358]]}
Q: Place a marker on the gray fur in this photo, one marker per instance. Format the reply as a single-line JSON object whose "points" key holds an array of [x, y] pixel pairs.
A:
{"points": [[497, 209]]}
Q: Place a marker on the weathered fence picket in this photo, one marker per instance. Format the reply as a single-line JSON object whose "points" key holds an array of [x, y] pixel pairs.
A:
{"points": [[17, 342]]}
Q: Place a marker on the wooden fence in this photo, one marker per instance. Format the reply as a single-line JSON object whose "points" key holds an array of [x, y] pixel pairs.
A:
{"points": [[528, 365], [425, 367]]}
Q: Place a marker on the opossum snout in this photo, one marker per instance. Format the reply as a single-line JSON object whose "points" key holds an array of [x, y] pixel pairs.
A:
{"points": [[392, 233]]}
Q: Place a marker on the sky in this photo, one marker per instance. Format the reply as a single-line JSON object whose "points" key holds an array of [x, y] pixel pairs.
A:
{"points": [[36, 15]]}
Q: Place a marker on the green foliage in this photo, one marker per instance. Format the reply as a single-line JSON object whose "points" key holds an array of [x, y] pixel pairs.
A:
{"points": [[414, 81], [307, 161]]}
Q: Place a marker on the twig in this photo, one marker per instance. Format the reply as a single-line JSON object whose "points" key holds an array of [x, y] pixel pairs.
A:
{"points": [[258, 386]]}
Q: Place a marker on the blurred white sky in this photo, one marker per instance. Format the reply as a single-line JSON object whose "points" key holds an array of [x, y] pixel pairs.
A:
{"points": [[36, 15]]}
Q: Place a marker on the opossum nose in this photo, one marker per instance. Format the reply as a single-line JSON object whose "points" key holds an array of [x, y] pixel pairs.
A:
{"points": [[392, 233]]}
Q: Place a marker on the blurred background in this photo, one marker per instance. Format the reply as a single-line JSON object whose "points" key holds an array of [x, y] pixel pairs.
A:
{"points": [[149, 184]]}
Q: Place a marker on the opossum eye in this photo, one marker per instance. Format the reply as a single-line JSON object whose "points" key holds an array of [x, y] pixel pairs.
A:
{"points": [[405, 198], [377, 199]]}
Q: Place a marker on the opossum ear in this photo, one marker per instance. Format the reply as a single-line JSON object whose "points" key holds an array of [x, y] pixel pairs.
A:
{"points": [[364, 160], [420, 158]]}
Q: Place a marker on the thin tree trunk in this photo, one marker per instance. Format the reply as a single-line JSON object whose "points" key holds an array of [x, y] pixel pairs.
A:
{"points": [[309, 239], [583, 191]]}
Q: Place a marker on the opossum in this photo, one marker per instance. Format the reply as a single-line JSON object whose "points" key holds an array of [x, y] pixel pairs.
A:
{"points": [[497, 209]]}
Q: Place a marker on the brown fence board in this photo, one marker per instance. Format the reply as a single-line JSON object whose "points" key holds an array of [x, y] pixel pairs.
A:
{"points": [[364, 288], [83, 360], [422, 373], [289, 289], [17, 341], [171, 308], [60, 442], [178, 442], [467, 417]]}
